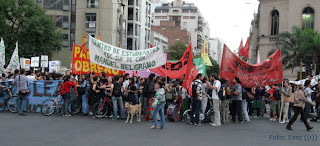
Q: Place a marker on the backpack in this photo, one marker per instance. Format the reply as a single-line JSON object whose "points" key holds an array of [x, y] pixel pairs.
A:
{"points": [[222, 93], [244, 94], [62, 90], [194, 90], [117, 90], [277, 94]]}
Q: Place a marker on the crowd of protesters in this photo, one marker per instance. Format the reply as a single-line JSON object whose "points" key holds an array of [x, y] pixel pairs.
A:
{"points": [[228, 100]]}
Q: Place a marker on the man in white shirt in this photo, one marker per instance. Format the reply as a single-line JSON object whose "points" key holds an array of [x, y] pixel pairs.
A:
{"points": [[308, 92], [215, 98]]}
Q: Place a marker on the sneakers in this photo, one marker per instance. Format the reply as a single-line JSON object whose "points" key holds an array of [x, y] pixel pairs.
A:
{"points": [[308, 120], [241, 122], [216, 125], [287, 121], [197, 124], [282, 122], [271, 119], [22, 114], [256, 117], [68, 115], [274, 119], [289, 128], [90, 113], [309, 128]]}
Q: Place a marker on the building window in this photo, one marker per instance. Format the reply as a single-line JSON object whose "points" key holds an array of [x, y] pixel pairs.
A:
{"points": [[90, 21], [308, 18], [92, 3], [192, 17], [186, 11], [58, 21], [275, 22], [186, 17], [185, 24], [130, 2], [65, 22], [164, 17], [53, 4], [65, 40]]}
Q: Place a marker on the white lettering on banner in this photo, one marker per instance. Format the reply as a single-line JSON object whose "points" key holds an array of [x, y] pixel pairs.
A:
{"points": [[113, 57]]}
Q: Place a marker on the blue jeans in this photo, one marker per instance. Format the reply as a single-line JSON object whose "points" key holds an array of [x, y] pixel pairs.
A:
{"points": [[159, 108], [195, 111], [245, 110], [144, 103], [84, 103], [307, 110], [115, 102], [22, 103]]}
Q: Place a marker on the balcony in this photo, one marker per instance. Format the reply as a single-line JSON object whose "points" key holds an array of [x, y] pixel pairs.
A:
{"points": [[90, 24], [273, 38], [66, 8], [65, 43], [65, 25]]}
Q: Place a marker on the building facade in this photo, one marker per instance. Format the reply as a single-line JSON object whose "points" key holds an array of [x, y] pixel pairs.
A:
{"points": [[139, 24], [63, 13], [276, 16], [215, 49], [157, 39], [188, 17]]}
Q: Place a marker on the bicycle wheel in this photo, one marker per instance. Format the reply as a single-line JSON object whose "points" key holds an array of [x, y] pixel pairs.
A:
{"points": [[48, 107], [12, 104], [99, 110], [211, 117], [187, 116], [74, 106]]}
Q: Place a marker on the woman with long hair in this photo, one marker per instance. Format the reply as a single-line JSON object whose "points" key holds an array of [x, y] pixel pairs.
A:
{"points": [[160, 96], [67, 84], [84, 83], [96, 93], [133, 91]]}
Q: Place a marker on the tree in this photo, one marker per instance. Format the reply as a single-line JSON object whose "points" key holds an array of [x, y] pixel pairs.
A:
{"points": [[298, 46], [176, 51], [214, 69], [24, 21]]}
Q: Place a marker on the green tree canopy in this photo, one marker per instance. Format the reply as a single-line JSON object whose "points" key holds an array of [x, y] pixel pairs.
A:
{"points": [[24, 21], [176, 51], [214, 69]]}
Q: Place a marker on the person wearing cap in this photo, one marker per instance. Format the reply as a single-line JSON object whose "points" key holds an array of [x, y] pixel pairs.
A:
{"points": [[299, 104], [236, 92]]}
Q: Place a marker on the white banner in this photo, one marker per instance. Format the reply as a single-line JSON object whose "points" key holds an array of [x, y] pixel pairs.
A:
{"points": [[14, 61], [2, 54], [35, 61], [54, 66], [301, 82], [25, 63], [44, 61], [113, 57]]}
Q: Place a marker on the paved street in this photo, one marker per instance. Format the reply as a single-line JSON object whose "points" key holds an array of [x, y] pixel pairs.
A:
{"points": [[36, 129]]}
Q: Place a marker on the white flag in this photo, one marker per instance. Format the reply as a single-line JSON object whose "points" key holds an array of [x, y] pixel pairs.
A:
{"points": [[14, 61], [258, 57], [2, 55]]}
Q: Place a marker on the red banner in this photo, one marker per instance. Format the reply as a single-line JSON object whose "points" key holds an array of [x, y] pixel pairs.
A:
{"points": [[191, 73], [175, 70], [84, 66], [265, 73]]}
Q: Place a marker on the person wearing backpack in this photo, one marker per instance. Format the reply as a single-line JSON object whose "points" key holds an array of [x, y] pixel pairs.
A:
{"points": [[196, 100], [117, 99], [216, 88], [83, 88], [65, 90], [225, 102]]}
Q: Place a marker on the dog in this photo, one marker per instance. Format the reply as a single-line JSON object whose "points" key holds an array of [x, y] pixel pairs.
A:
{"points": [[132, 110]]}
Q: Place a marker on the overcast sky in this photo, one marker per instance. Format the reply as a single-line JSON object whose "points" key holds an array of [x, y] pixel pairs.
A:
{"points": [[229, 20]]}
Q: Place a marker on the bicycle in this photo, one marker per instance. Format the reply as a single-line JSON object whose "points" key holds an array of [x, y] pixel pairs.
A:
{"points": [[11, 101], [49, 106], [99, 110], [75, 106], [203, 117]]}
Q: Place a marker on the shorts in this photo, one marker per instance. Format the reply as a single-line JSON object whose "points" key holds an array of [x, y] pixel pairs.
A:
{"points": [[273, 106], [257, 104]]}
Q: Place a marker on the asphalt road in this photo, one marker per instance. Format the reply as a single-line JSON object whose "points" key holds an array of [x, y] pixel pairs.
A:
{"points": [[36, 129]]}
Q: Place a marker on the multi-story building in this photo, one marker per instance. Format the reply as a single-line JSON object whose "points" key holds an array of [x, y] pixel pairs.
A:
{"points": [[276, 16], [105, 17], [157, 3], [215, 49], [173, 33], [188, 17], [139, 23], [63, 13], [157, 39]]}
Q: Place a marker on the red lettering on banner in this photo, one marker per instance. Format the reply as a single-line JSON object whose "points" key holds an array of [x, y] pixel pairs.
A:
{"points": [[35, 92], [266, 73], [46, 88]]}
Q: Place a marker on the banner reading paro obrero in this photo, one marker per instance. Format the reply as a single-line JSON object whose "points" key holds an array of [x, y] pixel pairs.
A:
{"points": [[113, 57]]}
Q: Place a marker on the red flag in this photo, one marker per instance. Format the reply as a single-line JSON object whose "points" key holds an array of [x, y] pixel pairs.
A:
{"points": [[241, 53], [175, 70], [246, 48], [267, 72], [84, 43], [191, 73]]}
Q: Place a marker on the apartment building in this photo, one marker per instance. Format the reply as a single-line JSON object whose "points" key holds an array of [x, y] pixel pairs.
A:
{"points": [[188, 17], [139, 23]]}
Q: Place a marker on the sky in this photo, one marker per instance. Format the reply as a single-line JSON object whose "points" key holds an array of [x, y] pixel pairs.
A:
{"points": [[229, 20]]}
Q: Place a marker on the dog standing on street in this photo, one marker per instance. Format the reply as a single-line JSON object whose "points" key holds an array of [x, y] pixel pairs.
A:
{"points": [[132, 110]]}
